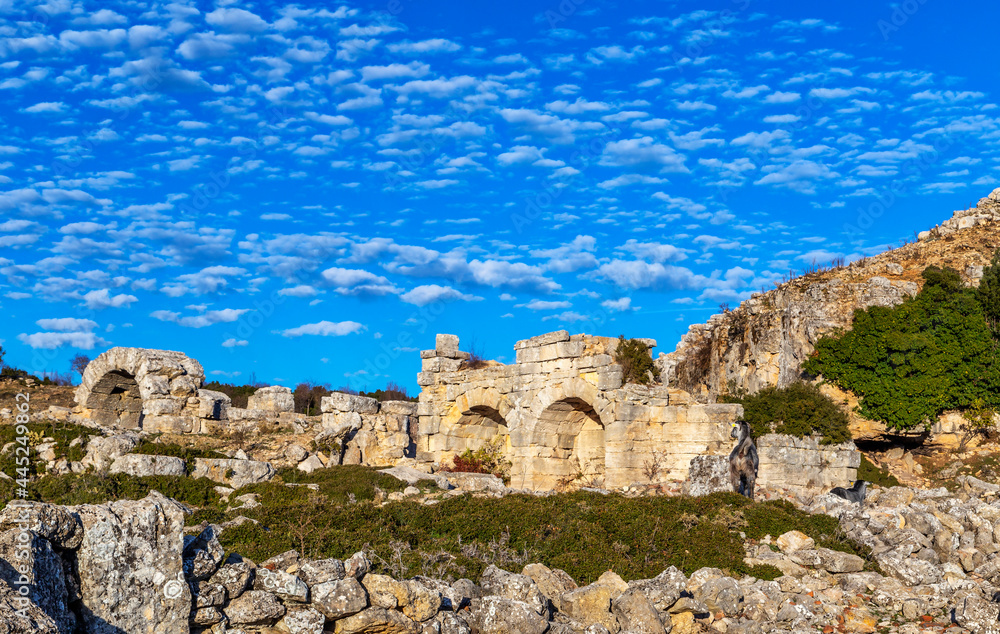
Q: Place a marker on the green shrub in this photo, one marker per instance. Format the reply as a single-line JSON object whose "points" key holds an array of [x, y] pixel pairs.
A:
{"points": [[870, 473], [187, 454], [489, 458], [636, 362], [71, 489], [799, 409], [988, 293], [908, 364]]}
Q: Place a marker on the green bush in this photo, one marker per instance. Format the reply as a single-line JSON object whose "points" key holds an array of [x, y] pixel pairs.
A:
{"points": [[988, 293], [188, 454], [582, 533], [92, 488], [908, 364], [636, 361], [799, 409]]}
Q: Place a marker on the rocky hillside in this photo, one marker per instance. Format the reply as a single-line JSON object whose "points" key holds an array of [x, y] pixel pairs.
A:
{"points": [[765, 340]]}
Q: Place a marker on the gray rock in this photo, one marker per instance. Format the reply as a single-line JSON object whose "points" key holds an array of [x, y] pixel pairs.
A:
{"points": [[302, 620], [636, 614], [357, 565], [708, 474], [339, 599], [52, 522], [235, 577], [496, 615], [102, 451], [19, 615], [206, 594], [412, 476], [977, 614], [146, 465], [552, 583], [341, 402], [315, 571], [28, 558], [509, 585], [254, 607], [207, 616], [202, 554], [130, 567], [233, 473], [286, 586], [663, 590]]}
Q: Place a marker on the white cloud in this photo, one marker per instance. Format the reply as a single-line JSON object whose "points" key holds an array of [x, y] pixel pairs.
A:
{"points": [[540, 304], [237, 20], [232, 342], [642, 150], [430, 293], [436, 45], [325, 329], [52, 340], [100, 299], [67, 324], [618, 305]]}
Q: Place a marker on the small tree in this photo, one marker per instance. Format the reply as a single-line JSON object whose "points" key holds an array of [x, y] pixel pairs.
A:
{"points": [[79, 363], [636, 361], [978, 422], [1, 357]]}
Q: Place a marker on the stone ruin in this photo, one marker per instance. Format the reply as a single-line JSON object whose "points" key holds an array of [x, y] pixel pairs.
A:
{"points": [[561, 413], [565, 416]]}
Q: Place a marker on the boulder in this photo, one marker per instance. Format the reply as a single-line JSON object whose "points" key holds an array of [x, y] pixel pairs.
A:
{"points": [[52, 522], [341, 402], [412, 476], [552, 583], [591, 604], [273, 398], [202, 553], [302, 620], [315, 571], [285, 586], [340, 598], [146, 465], [19, 615], [499, 582], [235, 577], [636, 614], [795, 540], [27, 560], [664, 589], [496, 615], [416, 601], [233, 473], [377, 621], [213, 405], [254, 607], [476, 482], [130, 567], [102, 451], [708, 474]]}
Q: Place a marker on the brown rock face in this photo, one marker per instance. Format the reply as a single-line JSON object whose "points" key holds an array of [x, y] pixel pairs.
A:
{"points": [[765, 340]]}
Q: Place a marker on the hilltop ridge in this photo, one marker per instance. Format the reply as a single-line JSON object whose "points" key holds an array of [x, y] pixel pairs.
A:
{"points": [[764, 341]]}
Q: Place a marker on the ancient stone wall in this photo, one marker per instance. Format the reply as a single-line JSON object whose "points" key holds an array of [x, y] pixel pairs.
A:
{"points": [[369, 432], [790, 462], [563, 414]]}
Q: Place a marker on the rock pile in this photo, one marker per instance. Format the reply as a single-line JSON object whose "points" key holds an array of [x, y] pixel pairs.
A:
{"points": [[986, 211], [128, 567]]}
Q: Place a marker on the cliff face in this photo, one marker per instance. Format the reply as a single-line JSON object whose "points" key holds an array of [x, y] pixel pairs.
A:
{"points": [[764, 341]]}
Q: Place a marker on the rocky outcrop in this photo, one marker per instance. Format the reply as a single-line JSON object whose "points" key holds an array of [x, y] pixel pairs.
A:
{"points": [[368, 431], [273, 398], [764, 341], [125, 567]]}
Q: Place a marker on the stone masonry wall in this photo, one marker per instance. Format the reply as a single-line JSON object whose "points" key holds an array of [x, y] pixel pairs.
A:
{"points": [[789, 462], [563, 414]]}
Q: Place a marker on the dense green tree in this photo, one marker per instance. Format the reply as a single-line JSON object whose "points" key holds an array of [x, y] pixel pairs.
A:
{"points": [[909, 363], [989, 293], [799, 409]]}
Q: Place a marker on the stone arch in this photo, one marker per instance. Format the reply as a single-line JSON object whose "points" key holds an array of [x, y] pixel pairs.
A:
{"points": [[567, 445], [476, 417], [141, 388]]}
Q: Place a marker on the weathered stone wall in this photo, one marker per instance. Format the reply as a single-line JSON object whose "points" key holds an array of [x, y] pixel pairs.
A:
{"points": [[564, 414], [796, 463], [370, 432]]}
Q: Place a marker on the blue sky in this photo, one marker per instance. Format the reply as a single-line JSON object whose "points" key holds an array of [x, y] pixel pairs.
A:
{"points": [[311, 192]]}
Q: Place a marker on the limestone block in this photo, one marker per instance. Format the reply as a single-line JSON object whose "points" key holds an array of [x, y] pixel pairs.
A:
{"points": [[233, 473], [171, 424], [162, 406], [405, 408], [541, 340], [147, 465], [213, 405], [446, 345], [154, 385], [708, 474], [341, 402], [426, 378], [184, 385], [148, 595], [274, 398]]}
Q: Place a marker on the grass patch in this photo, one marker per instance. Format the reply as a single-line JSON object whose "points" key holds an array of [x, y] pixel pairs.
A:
{"points": [[71, 489], [870, 473], [62, 433], [582, 533]]}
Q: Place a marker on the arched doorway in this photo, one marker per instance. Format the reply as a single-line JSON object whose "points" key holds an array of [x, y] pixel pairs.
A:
{"points": [[115, 400], [477, 425], [568, 445]]}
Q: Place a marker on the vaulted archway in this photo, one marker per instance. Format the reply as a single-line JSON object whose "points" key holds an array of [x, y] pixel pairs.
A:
{"points": [[569, 445]]}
